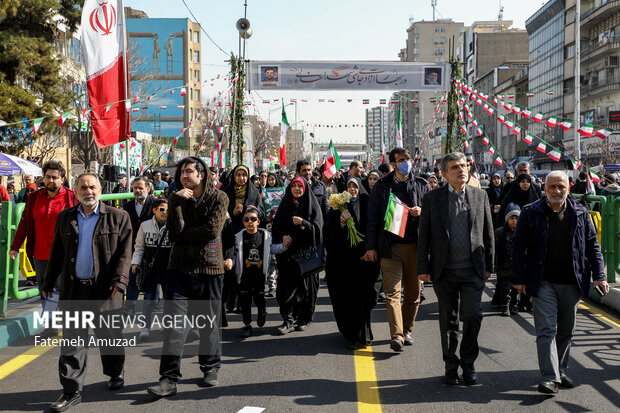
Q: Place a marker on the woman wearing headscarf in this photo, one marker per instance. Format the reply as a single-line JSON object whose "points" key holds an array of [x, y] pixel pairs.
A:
{"points": [[298, 224], [241, 193], [494, 191], [521, 193], [370, 181], [351, 282], [274, 181]]}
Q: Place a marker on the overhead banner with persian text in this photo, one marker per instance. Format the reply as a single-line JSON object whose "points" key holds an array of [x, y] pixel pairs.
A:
{"points": [[327, 75]]}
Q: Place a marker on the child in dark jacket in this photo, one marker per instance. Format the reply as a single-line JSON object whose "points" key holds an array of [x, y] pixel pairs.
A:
{"points": [[253, 251], [506, 296]]}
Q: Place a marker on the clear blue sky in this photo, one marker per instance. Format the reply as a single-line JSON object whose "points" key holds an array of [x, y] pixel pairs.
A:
{"points": [[322, 30]]}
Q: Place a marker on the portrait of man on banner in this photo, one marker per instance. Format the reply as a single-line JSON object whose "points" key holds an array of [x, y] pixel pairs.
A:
{"points": [[432, 76], [269, 75]]}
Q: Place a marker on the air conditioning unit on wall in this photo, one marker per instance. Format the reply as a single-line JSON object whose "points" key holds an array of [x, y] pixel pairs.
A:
{"points": [[611, 61]]}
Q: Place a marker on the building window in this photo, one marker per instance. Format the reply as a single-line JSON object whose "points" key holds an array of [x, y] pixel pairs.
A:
{"points": [[196, 37], [191, 94], [569, 51], [196, 56], [197, 76], [416, 40], [415, 51], [197, 95], [416, 30]]}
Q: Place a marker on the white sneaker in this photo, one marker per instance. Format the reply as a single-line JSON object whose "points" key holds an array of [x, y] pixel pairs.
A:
{"points": [[145, 334]]}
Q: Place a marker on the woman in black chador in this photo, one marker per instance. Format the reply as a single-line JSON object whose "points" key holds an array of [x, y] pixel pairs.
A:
{"points": [[351, 282], [297, 225]]}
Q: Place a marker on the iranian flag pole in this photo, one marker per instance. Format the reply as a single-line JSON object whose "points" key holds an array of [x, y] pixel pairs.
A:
{"points": [[126, 81], [332, 161], [283, 129], [399, 137]]}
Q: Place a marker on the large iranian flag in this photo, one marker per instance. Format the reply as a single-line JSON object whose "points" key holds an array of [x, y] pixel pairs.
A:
{"points": [[283, 129], [332, 161], [104, 49], [396, 216]]}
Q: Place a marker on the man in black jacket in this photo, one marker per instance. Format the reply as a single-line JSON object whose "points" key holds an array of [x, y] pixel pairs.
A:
{"points": [[92, 252], [140, 209], [397, 254], [455, 251]]}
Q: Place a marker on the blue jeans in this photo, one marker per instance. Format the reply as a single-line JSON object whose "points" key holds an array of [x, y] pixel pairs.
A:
{"points": [[150, 299]]}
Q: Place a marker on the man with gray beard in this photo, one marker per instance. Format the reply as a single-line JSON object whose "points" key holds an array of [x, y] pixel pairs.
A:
{"points": [[554, 251], [140, 209], [92, 252]]}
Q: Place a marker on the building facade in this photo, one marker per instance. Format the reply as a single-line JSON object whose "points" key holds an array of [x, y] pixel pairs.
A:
{"points": [[546, 75], [167, 55], [427, 41]]}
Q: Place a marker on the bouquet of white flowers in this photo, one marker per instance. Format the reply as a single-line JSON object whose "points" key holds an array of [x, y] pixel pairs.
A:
{"points": [[339, 202]]}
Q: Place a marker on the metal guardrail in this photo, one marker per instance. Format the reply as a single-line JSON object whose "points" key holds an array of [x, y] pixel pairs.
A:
{"points": [[10, 269]]}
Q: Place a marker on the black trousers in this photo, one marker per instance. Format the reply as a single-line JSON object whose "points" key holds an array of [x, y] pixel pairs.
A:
{"points": [[192, 295], [506, 294], [296, 294], [462, 288], [252, 286], [73, 359]]}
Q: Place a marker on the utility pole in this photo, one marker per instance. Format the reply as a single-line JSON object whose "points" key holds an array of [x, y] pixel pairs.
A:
{"points": [[434, 6], [577, 114]]}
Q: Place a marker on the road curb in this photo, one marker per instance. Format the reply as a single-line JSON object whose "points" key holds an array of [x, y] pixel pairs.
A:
{"points": [[16, 328]]}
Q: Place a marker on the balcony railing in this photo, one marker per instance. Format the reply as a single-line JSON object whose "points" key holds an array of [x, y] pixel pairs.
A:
{"points": [[600, 83], [596, 44]]}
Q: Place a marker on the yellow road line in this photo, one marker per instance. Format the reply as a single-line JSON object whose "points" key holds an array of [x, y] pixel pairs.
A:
{"points": [[23, 359], [366, 379], [600, 314]]}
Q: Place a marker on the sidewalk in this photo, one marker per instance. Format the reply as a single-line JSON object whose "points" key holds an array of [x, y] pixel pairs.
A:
{"points": [[20, 321]]}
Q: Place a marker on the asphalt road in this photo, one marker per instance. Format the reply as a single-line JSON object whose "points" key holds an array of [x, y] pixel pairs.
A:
{"points": [[312, 371]]}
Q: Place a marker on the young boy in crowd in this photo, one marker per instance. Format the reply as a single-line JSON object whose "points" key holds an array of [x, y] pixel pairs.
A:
{"points": [[508, 296], [252, 255]]}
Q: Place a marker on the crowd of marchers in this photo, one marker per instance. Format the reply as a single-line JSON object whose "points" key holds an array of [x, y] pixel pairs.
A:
{"points": [[216, 236]]}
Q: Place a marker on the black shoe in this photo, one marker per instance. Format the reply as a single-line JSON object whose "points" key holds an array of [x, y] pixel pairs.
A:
{"points": [[301, 327], [350, 344], [408, 340], [246, 331], [505, 311], [260, 320], [514, 310], [567, 382], [284, 329], [470, 377], [65, 401], [270, 294], [548, 387], [210, 378], [451, 378], [396, 345], [116, 383], [163, 389]]}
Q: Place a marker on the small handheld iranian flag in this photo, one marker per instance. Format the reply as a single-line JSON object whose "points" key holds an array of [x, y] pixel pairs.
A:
{"points": [[549, 92], [516, 109], [528, 138], [552, 121], [479, 131], [542, 147], [396, 216], [491, 150], [526, 113], [586, 130], [529, 95], [382, 101], [509, 124], [463, 129], [594, 176], [575, 165], [538, 117], [485, 140], [498, 161], [516, 130], [555, 155], [603, 133], [332, 161], [566, 124], [501, 118], [475, 123], [365, 101]]}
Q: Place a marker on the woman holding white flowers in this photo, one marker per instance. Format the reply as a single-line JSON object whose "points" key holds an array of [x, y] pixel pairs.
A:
{"points": [[297, 225], [351, 281]]}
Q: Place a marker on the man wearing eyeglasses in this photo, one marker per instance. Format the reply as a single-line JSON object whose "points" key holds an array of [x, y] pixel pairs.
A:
{"points": [[455, 252]]}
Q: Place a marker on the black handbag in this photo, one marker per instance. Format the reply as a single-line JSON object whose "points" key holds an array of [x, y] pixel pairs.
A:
{"points": [[311, 260], [144, 276]]}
